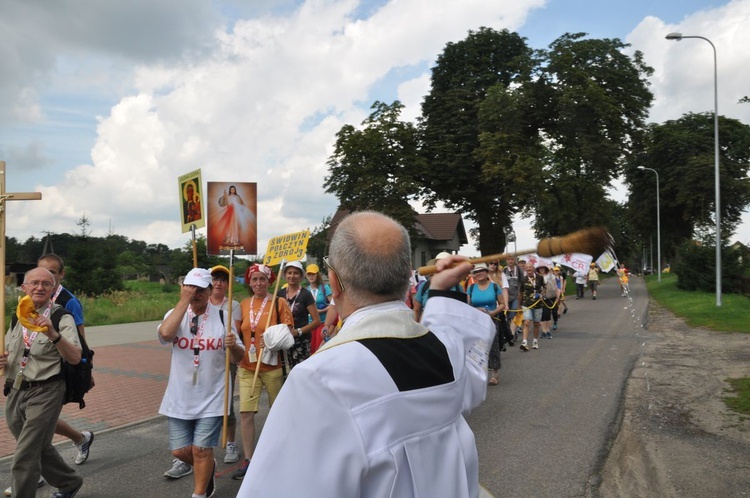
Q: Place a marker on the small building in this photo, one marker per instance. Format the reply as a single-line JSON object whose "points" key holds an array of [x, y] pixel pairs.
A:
{"points": [[438, 232]]}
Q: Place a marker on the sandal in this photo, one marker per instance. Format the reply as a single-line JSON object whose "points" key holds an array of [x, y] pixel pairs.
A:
{"points": [[493, 381]]}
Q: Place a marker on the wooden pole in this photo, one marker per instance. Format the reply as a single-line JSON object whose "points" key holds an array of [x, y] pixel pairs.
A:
{"points": [[195, 247], [19, 196], [268, 321], [227, 376]]}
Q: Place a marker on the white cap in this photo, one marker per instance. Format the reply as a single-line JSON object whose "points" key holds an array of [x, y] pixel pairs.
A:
{"points": [[294, 264], [199, 277]]}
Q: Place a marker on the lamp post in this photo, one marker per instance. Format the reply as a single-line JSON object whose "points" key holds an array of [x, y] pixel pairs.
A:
{"points": [[678, 37], [658, 223]]}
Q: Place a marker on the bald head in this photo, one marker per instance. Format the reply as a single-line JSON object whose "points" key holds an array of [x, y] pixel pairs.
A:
{"points": [[371, 255]]}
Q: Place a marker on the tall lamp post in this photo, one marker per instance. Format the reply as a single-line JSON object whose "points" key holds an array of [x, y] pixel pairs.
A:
{"points": [[658, 223], [678, 37]]}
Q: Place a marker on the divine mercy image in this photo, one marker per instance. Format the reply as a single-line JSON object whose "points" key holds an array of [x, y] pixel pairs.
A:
{"points": [[232, 223]]}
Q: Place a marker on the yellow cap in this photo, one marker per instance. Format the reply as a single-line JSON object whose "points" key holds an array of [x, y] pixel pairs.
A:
{"points": [[313, 268]]}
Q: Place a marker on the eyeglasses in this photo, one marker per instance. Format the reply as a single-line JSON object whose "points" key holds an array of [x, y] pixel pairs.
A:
{"points": [[194, 325], [45, 284], [327, 262], [493, 264]]}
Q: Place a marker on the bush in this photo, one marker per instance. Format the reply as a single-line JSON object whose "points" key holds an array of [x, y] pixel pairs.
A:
{"points": [[695, 267]]}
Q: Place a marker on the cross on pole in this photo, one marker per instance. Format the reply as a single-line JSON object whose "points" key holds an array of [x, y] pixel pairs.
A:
{"points": [[7, 196]]}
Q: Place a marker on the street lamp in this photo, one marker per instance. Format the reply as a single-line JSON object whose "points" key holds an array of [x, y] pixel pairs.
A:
{"points": [[678, 37], [658, 223]]}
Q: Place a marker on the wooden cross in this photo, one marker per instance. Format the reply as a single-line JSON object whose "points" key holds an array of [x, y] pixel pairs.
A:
{"points": [[18, 196]]}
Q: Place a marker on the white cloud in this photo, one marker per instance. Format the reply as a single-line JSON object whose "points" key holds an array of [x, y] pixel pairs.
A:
{"points": [[265, 103], [264, 106]]}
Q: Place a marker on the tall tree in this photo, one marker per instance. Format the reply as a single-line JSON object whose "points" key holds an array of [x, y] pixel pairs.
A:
{"points": [[682, 152], [454, 170], [597, 100], [372, 167]]}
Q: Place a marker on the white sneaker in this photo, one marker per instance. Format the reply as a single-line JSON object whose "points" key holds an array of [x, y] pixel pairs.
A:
{"points": [[524, 346], [179, 469], [232, 454], [9, 491], [535, 344], [84, 446]]}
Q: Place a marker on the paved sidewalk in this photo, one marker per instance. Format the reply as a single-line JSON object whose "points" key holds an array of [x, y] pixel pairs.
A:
{"points": [[131, 369]]}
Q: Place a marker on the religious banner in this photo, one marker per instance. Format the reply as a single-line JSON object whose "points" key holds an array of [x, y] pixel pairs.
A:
{"points": [[606, 261], [536, 260], [232, 221], [289, 247], [191, 200], [576, 261]]}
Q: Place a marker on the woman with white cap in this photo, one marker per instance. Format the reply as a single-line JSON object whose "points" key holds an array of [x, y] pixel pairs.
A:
{"points": [[487, 296], [302, 304], [194, 399]]}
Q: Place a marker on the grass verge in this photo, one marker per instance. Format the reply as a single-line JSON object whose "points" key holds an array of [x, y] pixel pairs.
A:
{"points": [[699, 309]]}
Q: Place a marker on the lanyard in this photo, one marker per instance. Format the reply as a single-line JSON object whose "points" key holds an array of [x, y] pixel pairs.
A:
{"points": [[28, 340], [197, 335], [254, 319]]}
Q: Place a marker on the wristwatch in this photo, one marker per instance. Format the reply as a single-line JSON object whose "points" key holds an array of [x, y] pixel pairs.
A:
{"points": [[59, 336], [299, 332]]}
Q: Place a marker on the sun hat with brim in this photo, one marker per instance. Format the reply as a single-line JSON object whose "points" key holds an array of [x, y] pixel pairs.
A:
{"points": [[541, 265], [312, 268], [480, 267], [199, 277], [440, 256], [295, 264]]}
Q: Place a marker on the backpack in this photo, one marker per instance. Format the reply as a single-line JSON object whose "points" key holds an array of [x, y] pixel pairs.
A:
{"points": [[77, 377]]}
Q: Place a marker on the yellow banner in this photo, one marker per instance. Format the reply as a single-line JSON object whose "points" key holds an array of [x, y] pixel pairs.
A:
{"points": [[289, 247]]}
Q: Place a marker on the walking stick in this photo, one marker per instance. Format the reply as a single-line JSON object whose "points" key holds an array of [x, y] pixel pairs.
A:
{"points": [[588, 241], [227, 376], [195, 247], [268, 321]]}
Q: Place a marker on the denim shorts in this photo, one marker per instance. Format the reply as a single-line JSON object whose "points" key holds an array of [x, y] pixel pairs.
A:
{"points": [[532, 315], [202, 432]]}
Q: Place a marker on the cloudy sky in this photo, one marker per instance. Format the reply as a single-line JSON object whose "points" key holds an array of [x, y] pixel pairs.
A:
{"points": [[103, 104]]}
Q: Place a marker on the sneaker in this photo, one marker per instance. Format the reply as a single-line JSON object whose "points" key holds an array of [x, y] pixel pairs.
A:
{"points": [[9, 491], [84, 446], [240, 473], [524, 346], [535, 344], [549, 335], [179, 469], [232, 454], [67, 494], [554, 326], [565, 310], [211, 488], [594, 298]]}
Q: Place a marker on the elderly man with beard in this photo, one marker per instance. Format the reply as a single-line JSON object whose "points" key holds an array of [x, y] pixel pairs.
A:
{"points": [[35, 387]]}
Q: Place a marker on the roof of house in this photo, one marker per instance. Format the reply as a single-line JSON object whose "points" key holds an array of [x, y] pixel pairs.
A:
{"points": [[433, 226]]}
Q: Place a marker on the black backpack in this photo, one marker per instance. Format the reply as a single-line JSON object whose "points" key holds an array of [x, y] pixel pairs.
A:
{"points": [[77, 377]]}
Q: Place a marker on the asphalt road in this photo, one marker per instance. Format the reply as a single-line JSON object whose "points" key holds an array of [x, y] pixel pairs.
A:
{"points": [[543, 432]]}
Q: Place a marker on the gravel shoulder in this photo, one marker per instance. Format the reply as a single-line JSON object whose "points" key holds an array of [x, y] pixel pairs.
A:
{"points": [[677, 438]]}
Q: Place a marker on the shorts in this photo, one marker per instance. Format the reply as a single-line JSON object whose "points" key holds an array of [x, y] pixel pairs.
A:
{"points": [[532, 315], [202, 432], [273, 380], [593, 284]]}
